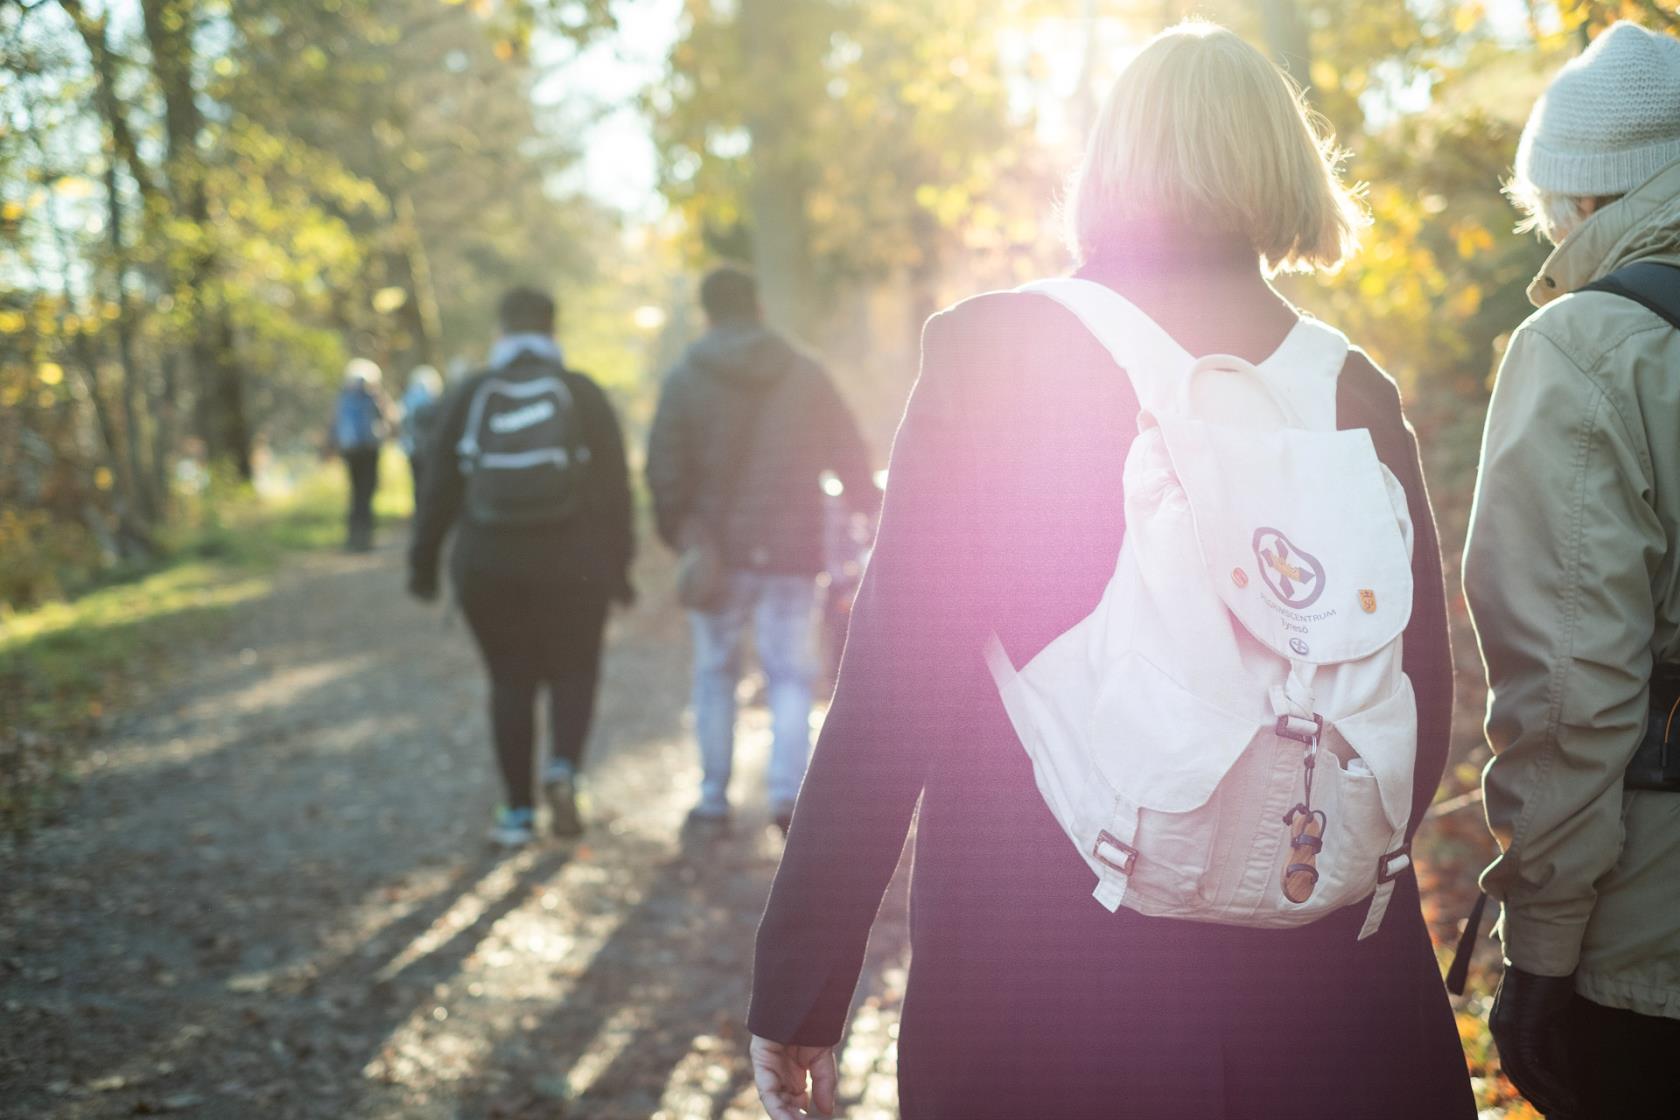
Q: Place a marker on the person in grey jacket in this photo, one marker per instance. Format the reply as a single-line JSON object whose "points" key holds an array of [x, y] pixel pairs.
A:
{"points": [[1572, 575], [746, 426]]}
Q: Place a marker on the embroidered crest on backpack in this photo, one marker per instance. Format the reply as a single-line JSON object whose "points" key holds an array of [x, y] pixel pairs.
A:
{"points": [[1294, 576]]}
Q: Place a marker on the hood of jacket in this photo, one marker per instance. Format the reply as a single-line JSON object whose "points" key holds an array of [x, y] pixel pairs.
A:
{"points": [[1643, 224], [743, 353]]}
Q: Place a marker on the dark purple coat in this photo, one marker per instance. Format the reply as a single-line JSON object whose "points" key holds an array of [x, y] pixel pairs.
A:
{"points": [[1026, 998]]}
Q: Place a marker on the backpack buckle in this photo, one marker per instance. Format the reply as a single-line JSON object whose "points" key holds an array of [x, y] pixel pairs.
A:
{"points": [[1128, 854], [1300, 728], [1392, 865]]}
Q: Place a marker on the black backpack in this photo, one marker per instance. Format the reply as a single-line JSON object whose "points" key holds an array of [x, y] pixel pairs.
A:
{"points": [[522, 451]]}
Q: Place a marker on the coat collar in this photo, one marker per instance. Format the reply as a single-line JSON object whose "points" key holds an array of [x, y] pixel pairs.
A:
{"points": [[1643, 223]]}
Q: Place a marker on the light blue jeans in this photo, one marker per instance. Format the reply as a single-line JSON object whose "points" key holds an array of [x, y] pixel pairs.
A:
{"points": [[780, 608]]}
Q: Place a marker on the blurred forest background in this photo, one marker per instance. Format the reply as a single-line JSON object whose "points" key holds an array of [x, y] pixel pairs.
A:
{"points": [[208, 206]]}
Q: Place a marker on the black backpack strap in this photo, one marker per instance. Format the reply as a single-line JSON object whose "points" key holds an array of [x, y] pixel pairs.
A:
{"points": [[1459, 972], [1652, 285]]}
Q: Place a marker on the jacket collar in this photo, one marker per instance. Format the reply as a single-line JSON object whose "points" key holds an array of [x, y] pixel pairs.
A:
{"points": [[1643, 223], [510, 346]]}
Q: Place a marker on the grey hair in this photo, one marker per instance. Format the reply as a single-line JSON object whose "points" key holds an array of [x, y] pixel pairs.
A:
{"points": [[364, 370], [1554, 216]]}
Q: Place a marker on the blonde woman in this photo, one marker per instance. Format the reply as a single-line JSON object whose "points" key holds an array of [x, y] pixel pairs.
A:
{"points": [[1004, 517]]}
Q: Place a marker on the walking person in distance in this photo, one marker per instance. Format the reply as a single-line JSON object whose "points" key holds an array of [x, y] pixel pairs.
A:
{"points": [[417, 432], [530, 469], [360, 425], [746, 426]]}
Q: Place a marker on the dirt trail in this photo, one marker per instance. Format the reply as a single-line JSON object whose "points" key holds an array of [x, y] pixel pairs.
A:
{"points": [[270, 896]]}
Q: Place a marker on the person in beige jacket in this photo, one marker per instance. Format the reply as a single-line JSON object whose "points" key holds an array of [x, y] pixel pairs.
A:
{"points": [[1572, 575]]}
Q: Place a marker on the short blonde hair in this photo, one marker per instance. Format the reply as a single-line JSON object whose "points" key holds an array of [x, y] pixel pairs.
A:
{"points": [[1202, 130]]}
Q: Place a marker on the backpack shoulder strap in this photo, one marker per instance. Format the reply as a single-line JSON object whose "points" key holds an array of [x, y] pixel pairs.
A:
{"points": [[1161, 370], [1654, 286], [1153, 360]]}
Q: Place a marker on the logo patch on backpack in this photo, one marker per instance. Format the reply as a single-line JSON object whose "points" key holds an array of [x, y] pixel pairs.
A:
{"points": [[1295, 577], [534, 413]]}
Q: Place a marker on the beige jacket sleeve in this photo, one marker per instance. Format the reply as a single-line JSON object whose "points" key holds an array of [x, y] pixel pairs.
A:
{"points": [[1557, 572]]}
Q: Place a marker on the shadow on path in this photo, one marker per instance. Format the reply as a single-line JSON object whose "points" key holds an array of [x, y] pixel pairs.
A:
{"points": [[271, 896]]}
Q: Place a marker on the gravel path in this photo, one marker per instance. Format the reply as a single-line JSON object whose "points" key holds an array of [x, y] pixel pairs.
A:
{"points": [[270, 896]]}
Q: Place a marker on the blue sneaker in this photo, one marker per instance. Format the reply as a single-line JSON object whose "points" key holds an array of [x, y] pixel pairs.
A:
{"points": [[513, 828]]}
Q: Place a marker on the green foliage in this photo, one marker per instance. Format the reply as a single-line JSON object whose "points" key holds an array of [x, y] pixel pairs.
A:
{"points": [[892, 130], [67, 661], [207, 207]]}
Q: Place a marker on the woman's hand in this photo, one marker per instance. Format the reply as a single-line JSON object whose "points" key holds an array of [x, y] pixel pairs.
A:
{"points": [[781, 1073]]}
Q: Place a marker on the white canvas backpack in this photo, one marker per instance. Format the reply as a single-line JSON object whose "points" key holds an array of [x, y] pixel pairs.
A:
{"points": [[1228, 737]]}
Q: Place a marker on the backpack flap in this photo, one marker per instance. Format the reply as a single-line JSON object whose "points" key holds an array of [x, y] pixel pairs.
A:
{"points": [[1300, 534], [1164, 746]]}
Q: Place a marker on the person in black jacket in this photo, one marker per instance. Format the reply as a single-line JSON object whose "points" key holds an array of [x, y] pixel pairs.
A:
{"points": [[544, 545], [1004, 516], [746, 426]]}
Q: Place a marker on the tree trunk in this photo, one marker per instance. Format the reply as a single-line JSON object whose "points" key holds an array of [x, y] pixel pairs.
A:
{"points": [[1286, 38], [80, 344], [228, 438], [120, 148], [140, 493], [165, 416], [220, 381], [145, 504], [424, 314], [779, 180]]}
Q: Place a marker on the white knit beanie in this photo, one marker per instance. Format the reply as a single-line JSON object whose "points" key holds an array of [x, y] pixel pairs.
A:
{"points": [[1609, 120]]}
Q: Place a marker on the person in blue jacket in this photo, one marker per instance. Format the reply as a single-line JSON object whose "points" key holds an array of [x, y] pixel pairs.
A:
{"points": [[359, 427]]}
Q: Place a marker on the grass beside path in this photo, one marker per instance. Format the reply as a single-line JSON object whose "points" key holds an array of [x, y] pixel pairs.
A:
{"points": [[66, 664]]}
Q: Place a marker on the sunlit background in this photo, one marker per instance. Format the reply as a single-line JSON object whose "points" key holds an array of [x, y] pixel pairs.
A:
{"points": [[208, 206]]}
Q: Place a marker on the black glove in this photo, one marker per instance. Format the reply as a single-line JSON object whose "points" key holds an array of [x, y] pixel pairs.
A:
{"points": [[423, 585], [1530, 1023]]}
